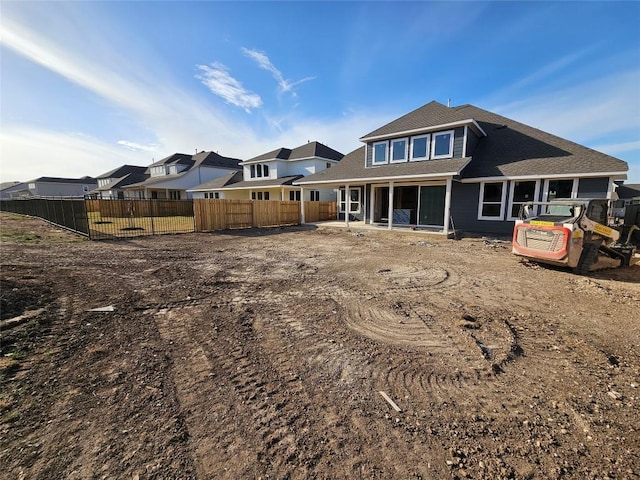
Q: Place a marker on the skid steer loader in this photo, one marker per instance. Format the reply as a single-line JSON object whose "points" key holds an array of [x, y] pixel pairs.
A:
{"points": [[572, 233]]}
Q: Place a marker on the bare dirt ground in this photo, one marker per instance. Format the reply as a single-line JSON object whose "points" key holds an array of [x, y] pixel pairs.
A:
{"points": [[261, 354]]}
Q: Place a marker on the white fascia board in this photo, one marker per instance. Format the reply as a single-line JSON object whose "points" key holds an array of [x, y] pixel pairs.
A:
{"points": [[433, 128], [266, 160], [341, 181], [544, 177]]}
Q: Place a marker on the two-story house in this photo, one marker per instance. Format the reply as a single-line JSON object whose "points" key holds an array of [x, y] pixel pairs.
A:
{"points": [[54, 187], [111, 184], [270, 176], [171, 177], [461, 167]]}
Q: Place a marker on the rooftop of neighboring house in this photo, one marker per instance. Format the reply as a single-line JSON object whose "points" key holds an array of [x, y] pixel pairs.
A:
{"points": [[264, 183], [124, 170], [5, 185], [82, 181], [303, 152], [218, 183], [628, 190], [505, 148], [210, 159]]}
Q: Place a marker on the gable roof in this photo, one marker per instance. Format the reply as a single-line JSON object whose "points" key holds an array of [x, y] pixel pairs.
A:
{"points": [[269, 182], [210, 159], [509, 149], [122, 171], [308, 150], [218, 183]]}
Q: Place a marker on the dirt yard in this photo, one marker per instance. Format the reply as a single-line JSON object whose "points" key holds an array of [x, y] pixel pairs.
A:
{"points": [[262, 354]]}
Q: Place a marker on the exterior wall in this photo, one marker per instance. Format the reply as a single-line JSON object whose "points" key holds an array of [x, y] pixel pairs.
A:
{"points": [[472, 142], [62, 189], [458, 142], [593, 187], [464, 211]]}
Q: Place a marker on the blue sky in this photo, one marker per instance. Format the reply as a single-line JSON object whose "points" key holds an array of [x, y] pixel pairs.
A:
{"points": [[88, 86]]}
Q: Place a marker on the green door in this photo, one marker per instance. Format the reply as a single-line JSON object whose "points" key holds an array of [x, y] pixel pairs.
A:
{"points": [[432, 205]]}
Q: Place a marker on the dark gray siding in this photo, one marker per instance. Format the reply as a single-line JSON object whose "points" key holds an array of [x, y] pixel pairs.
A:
{"points": [[464, 211], [472, 141], [593, 187], [458, 143]]}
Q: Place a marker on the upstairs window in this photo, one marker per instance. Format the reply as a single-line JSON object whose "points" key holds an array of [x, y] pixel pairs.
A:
{"points": [[442, 145], [380, 153], [314, 195], [259, 170], [399, 150], [420, 147]]}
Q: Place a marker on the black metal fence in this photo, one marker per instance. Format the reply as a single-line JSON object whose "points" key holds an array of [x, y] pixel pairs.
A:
{"points": [[68, 213], [105, 219]]}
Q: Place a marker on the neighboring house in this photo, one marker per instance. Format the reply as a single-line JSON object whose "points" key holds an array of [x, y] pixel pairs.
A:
{"points": [[54, 187], [461, 167], [626, 194], [111, 184], [7, 187], [171, 177], [270, 176]]}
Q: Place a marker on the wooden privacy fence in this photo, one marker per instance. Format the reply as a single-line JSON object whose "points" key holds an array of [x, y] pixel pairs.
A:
{"points": [[212, 214], [140, 208], [320, 211], [221, 214]]}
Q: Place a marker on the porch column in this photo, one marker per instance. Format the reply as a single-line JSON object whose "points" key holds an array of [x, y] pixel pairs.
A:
{"points": [[282, 194], [302, 219], [390, 213], [371, 204], [347, 204], [447, 207]]}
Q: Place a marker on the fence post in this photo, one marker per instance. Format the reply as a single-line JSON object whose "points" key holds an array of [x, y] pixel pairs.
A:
{"points": [[153, 228], [73, 215]]}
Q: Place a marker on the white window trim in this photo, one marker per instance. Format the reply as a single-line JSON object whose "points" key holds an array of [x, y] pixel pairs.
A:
{"points": [[433, 144], [406, 150], [426, 157], [341, 204], [574, 187], [386, 153], [512, 190], [502, 202]]}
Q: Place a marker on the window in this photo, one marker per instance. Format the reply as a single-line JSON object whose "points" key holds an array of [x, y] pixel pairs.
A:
{"points": [[521, 192], [258, 170], [294, 195], [354, 200], [379, 153], [559, 189], [314, 195], [328, 165], [420, 147], [399, 150], [174, 195], [442, 145], [212, 195], [85, 188], [259, 195], [491, 204], [157, 171], [32, 186]]}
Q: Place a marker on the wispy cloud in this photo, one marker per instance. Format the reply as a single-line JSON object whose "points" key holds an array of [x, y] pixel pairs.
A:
{"points": [[217, 78], [137, 147], [263, 62]]}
